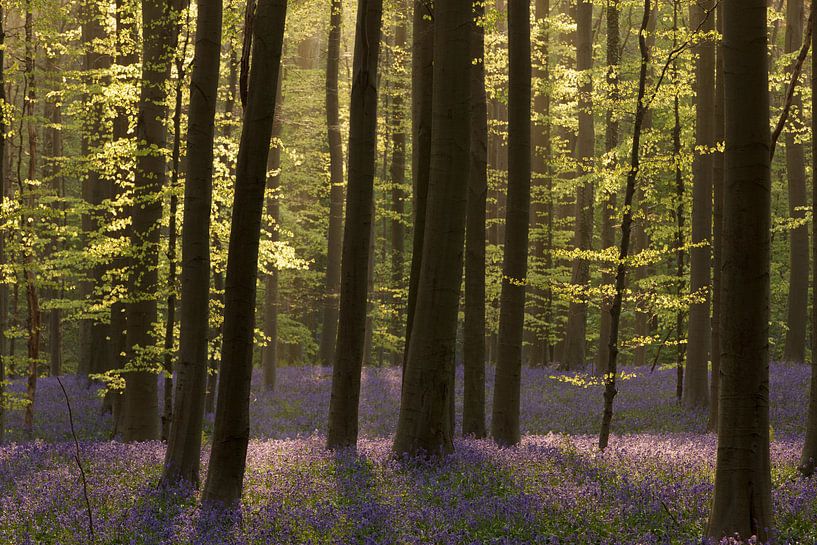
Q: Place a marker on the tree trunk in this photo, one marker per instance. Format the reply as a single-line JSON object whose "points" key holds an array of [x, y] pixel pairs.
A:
{"points": [[32, 298], [641, 109], [797, 318], [543, 180], [808, 460], [424, 423], [126, 56], [269, 354], [505, 421], [743, 502], [232, 425], [473, 402], [576, 329], [717, 236], [53, 176], [94, 331], [172, 237], [184, 442], [215, 348], [696, 388], [160, 34], [422, 80], [336, 191], [217, 296], [608, 207], [357, 231], [398, 180]]}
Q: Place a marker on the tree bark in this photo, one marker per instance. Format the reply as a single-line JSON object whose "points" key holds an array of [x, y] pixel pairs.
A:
{"points": [[473, 402], [126, 56], [424, 424], [797, 316], [357, 234], [505, 421], [808, 459], [269, 354], [94, 331], [172, 239], [542, 193], [160, 34], [641, 109], [696, 383], [422, 83], [608, 238], [336, 190], [32, 297], [398, 180], [576, 329], [184, 441], [232, 425], [717, 235], [742, 502]]}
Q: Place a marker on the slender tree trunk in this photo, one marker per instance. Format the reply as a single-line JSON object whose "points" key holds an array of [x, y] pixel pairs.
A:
{"points": [[626, 226], [398, 180], [269, 354], [576, 329], [808, 459], [52, 176], [232, 426], [215, 356], [94, 351], [336, 192], [184, 442], [608, 207], [32, 298], [217, 297], [160, 35], [424, 423], [172, 236], [126, 39], [696, 384], [743, 502], [717, 236], [679, 222], [542, 177], [357, 234], [473, 402], [422, 80], [505, 421], [797, 318]]}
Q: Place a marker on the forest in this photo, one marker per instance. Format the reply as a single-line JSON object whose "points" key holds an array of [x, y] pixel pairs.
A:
{"points": [[408, 272]]}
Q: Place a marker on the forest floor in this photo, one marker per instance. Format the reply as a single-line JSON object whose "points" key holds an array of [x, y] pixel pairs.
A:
{"points": [[653, 485]]}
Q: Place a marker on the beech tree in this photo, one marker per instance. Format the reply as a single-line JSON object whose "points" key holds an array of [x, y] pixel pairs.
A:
{"points": [[473, 402], [184, 441], [576, 328], [159, 36], [808, 458], [232, 427], [357, 235], [696, 382], [794, 349], [269, 355], [743, 502], [422, 84], [424, 423], [505, 421], [335, 235]]}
